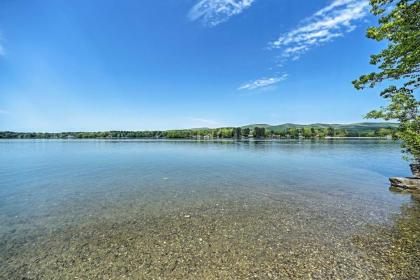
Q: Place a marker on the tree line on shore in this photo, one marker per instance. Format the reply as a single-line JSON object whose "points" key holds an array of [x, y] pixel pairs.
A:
{"points": [[208, 133]]}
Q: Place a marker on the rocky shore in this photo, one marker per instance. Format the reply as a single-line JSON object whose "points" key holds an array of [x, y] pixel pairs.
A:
{"points": [[407, 184]]}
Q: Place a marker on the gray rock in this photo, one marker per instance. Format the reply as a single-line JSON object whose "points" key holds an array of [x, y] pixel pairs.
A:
{"points": [[405, 183]]}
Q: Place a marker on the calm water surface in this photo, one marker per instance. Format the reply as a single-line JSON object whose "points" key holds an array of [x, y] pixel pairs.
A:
{"points": [[102, 209]]}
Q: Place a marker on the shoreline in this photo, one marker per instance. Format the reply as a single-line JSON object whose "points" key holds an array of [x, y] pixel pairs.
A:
{"points": [[204, 140]]}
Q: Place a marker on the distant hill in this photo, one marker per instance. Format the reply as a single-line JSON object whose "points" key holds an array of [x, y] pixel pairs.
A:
{"points": [[251, 126], [287, 130], [364, 126]]}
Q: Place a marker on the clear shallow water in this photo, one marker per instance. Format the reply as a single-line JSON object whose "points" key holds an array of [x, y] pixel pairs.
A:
{"points": [[105, 209]]}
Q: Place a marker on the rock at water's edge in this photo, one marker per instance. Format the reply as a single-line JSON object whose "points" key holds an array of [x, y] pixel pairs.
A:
{"points": [[415, 169], [405, 184]]}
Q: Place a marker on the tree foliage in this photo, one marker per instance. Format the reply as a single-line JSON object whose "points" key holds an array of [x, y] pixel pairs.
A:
{"points": [[309, 132], [399, 63]]}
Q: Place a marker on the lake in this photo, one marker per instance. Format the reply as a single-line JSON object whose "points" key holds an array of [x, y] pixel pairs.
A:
{"points": [[162, 209]]}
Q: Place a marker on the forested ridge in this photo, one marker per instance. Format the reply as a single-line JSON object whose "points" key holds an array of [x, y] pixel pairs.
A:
{"points": [[249, 131]]}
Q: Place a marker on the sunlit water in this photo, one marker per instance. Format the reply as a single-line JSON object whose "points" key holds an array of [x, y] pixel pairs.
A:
{"points": [[156, 209]]}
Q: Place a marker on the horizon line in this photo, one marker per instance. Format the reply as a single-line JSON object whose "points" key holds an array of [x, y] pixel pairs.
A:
{"points": [[198, 128]]}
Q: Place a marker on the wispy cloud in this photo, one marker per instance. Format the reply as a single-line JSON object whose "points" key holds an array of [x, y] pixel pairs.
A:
{"points": [[323, 26], [202, 122], [326, 24], [263, 83], [214, 12], [2, 52], [3, 112]]}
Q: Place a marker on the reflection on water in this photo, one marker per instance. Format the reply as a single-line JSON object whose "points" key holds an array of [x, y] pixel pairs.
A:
{"points": [[204, 210]]}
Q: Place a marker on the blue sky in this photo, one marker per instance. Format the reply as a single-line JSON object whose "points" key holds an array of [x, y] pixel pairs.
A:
{"points": [[132, 65]]}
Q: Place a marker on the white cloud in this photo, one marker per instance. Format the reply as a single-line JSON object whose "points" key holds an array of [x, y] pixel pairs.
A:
{"points": [[263, 83], [326, 24], [214, 12]]}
